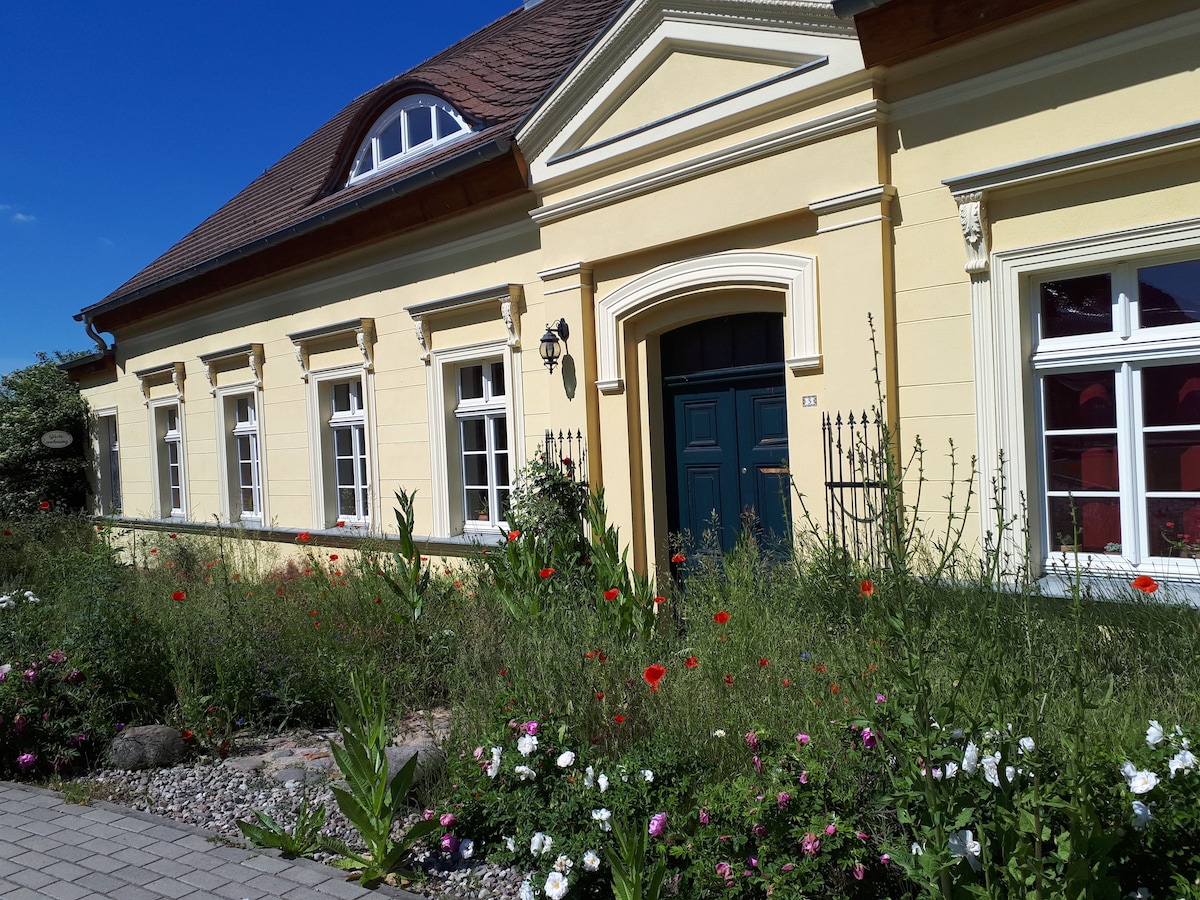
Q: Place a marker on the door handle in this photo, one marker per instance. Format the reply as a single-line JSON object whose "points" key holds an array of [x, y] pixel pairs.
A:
{"points": [[743, 470]]}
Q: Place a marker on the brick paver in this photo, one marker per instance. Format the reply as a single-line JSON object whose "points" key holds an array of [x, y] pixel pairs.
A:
{"points": [[67, 851]]}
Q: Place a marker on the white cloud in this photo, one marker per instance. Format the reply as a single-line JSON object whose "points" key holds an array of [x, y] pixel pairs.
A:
{"points": [[4, 206], [106, 242], [21, 217]]}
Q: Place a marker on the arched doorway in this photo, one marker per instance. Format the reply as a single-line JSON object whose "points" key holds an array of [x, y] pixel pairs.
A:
{"points": [[725, 423]]}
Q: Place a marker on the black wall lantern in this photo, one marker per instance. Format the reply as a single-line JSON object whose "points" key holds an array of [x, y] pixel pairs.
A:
{"points": [[550, 349]]}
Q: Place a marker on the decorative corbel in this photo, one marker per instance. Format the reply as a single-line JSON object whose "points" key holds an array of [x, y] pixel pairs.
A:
{"points": [[254, 358], [210, 371], [364, 336], [302, 359], [513, 326], [972, 217], [422, 329], [177, 375]]}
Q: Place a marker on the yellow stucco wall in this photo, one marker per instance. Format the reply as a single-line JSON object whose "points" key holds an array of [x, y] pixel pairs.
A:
{"points": [[865, 201]]}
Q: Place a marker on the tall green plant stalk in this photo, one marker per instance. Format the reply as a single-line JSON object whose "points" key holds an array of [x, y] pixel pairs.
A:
{"points": [[371, 800], [411, 582]]}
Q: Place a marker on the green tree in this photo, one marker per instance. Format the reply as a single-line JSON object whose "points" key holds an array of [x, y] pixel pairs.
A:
{"points": [[33, 401]]}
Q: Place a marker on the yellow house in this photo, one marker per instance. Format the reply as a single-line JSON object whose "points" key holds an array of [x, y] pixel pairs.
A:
{"points": [[712, 197]]}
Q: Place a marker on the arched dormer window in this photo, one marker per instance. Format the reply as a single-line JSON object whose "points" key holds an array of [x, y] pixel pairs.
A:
{"points": [[410, 126]]}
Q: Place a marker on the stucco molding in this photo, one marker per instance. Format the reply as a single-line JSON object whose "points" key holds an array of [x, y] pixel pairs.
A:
{"points": [[854, 118], [972, 218], [629, 39], [174, 372], [795, 275], [363, 331], [1048, 67], [1078, 159], [251, 354], [508, 296]]}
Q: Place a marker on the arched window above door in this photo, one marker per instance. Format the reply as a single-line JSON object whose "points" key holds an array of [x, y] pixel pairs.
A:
{"points": [[792, 274]]}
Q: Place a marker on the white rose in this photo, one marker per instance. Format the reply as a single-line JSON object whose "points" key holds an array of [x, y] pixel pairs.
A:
{"points": [[1154, 734], [526, 744], [591, 862], [1143, 782], [566, 759], [556, 886]]}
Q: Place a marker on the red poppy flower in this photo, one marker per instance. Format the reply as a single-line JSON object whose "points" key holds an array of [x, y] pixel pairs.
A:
{"points": [[653, 675], [187, 735], [819, 667], [600, 656], [764, 662], [312, 612], [341, 524], [866, 589], [44, 505], [599, 695], [611, 594], [1145, 584], [513, 535], [304, 536], [721, 618], [503, 672], [179, 595], [153, 549], [316, 624], [378, 599], [546, 573], [833, 689], [333, 557], [618, 719], [787, 683], [691, 662], [728, 678], [658, 600], [172, 536], [7, 533], [678, 558], [591, 654]]}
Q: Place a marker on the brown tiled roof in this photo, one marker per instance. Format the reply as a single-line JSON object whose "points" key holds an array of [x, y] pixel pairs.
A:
{"points": [[495, 77]]}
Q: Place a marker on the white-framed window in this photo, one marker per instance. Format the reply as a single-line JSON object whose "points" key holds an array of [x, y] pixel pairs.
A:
{"points": [[474, 392], [1115, 367], [347, 429], [108, 463], [481, 415], [169, 459], [411, 126], [244, 495]]}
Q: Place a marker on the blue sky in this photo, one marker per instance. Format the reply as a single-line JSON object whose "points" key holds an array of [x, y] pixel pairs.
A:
{"points": [[124, 124]]}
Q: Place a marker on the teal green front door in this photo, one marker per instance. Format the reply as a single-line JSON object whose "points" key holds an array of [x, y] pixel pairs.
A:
{"points": [[727, 430]]}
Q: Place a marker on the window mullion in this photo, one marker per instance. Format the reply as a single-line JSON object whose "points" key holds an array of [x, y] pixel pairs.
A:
{"points": [[1131, 464]]}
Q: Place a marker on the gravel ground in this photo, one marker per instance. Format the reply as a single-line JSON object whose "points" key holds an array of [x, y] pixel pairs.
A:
{"points": [[214, 794]]}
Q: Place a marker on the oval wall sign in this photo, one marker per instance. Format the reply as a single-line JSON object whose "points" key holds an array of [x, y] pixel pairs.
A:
{"points": [[57, 439]]}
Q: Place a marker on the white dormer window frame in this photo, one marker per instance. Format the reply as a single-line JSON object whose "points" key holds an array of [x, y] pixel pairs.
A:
{"points": [[409, 127]]}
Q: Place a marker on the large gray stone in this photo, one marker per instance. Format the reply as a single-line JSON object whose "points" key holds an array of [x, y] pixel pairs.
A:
{"points": [[147, 746]]}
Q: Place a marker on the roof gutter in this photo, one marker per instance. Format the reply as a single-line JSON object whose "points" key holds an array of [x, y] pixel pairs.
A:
{"points": [[494, 149]]}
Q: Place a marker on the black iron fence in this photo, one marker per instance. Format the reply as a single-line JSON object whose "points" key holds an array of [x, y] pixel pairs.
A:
{"points": [[854, 486], [568, 452]]}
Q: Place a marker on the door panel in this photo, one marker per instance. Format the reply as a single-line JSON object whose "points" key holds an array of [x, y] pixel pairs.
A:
{"points": [[730, 451], [705, 442]]}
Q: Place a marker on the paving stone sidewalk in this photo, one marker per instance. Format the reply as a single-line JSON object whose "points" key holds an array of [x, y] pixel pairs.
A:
{"points": [[49, 848]]}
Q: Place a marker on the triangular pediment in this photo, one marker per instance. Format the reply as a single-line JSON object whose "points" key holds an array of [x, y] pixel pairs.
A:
{"points": [[661, 78]]}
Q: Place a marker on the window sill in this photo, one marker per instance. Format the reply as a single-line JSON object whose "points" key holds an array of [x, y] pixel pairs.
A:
{"points": [[349, 537]]}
